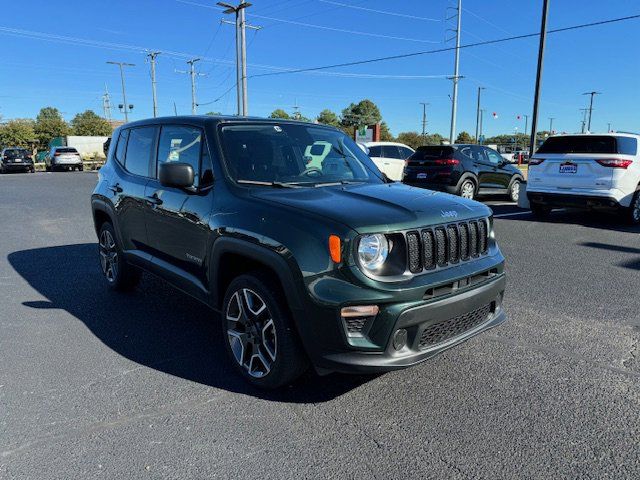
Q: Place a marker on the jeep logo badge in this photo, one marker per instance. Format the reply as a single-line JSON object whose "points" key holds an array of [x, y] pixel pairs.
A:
{"points": [[448, 214]]}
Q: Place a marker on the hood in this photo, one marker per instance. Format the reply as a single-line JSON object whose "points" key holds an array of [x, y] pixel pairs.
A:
{"points": [[370, 208]]}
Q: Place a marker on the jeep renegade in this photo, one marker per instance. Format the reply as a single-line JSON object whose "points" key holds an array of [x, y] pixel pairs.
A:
{"points": [[315, 260]]}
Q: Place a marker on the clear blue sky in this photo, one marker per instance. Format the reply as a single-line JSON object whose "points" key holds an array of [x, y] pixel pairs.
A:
{"points": [[71, 74]]}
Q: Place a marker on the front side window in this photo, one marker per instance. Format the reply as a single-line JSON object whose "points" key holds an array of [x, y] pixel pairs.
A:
{"points": [[139, 149], [180, 143], [282, 153], [494, 157]]}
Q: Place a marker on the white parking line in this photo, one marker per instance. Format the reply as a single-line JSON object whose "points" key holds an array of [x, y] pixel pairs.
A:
{"points": [[512, 214]]}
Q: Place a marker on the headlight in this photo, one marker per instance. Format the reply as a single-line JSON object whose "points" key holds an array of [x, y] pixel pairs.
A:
{"points": [[373, 251]]}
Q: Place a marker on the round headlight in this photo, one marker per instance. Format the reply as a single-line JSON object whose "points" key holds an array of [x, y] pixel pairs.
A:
{"points": [[373, 251]]}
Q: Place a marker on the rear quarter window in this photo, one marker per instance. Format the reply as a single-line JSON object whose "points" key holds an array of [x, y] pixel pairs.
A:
{"points": [[627, 145]]}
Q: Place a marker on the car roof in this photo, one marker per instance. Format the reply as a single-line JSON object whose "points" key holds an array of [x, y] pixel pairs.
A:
{"points": [[209, 119], [606, 134], [376, 144]]}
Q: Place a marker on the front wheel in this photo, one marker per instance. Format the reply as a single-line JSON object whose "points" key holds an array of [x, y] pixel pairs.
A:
{"points": [[514, 191], [467, 189], [259, 334], [117, 272]]}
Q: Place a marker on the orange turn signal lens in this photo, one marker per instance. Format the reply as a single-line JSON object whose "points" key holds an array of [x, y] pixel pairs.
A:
{"points": [[335, 248]]}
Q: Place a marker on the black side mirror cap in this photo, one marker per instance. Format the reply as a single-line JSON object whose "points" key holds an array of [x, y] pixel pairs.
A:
{"points": [[176, 174]]}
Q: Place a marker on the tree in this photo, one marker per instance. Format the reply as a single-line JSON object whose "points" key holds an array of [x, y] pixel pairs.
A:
{"points": [[17, 133], [364, 113], [413, 139], [385, 133], [279, 113], [464, 137], [327, 117], [213, 113], [49, 124], [90, 124]]}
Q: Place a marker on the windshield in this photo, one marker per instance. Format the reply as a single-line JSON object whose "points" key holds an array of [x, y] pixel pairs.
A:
{"points": [[295, 155]]}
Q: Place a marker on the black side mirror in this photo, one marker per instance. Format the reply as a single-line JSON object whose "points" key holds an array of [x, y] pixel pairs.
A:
{"points": [[176, 174]]}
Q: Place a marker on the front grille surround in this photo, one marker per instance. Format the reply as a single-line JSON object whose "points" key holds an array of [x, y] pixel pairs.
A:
{"points": [[446, 245]]}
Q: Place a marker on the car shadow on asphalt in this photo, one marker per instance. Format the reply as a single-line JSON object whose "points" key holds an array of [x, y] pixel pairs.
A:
{"points": [[633, 263], [156, 325]]}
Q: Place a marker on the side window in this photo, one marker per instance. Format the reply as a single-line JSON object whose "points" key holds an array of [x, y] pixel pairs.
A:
{"points": [[122, 146], [405, 152], [375, 151], [181, 144], [139, 150], [494, 157], [390, 151], [468, 152]]}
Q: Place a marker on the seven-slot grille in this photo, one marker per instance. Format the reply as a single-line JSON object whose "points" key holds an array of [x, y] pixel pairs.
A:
{"points": [[446, 245]]}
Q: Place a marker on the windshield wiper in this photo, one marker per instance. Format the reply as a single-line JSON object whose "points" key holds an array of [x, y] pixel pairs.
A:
{"points": [[338, 182], [267, 184]]}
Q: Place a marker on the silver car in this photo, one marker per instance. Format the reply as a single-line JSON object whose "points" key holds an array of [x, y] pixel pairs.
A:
{"points": [[63, 158]]}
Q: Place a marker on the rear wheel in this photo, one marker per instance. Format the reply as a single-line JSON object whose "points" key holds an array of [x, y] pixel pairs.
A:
{"points": [[540, 211], [467, 189], [260, 338], [633, 211], [117, 272], [47, 168]]}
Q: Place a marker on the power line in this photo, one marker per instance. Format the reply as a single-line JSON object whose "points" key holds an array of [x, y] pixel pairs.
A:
{"points": [[383, 12], [448, 49]]}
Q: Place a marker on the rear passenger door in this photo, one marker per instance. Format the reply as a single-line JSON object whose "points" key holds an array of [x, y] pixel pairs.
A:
{"points": [[133, 154], [393, 162], [177, 219]]}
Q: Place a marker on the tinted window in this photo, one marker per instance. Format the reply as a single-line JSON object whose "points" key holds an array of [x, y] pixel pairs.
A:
{"points": [[375, 151], [405, 152], [470, 153], [122, 146], [66, 150], [436, 151], [16, 152], [181, 144], [391, 151], [139, 149], [579, 144], [493, 156], [627, 145]]}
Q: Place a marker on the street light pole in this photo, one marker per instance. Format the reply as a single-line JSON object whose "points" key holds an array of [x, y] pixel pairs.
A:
{"points": [[536, 98], [551, 119], [455, 78], [478, 113], [124, 91], [481, 117], [592, 94]]}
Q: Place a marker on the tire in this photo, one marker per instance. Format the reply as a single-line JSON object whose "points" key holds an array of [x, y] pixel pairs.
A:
{"points": [[264, 346], [117, 272], [632, 212], [467, 189], [47, 168], [514, 190], [540, 211], [81, 168]]}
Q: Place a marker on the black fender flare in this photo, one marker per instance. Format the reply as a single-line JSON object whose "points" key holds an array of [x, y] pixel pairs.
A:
{"points": [[101, 205], [466, 176], [285, 269]]}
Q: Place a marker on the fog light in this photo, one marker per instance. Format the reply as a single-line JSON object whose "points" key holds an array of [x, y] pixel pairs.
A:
{"points": [[400, 339]]}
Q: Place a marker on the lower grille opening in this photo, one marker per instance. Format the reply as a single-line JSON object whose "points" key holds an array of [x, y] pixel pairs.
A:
{"points": [[456, 326], [355, 325]]}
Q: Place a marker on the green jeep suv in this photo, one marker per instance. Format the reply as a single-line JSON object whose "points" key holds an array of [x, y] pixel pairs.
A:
{"points": [[307, 252]]}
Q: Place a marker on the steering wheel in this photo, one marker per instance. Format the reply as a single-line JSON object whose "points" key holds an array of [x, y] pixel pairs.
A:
{"points": [[311, 172]]}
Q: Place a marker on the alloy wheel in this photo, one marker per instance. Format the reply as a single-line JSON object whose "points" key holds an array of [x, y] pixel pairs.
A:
{"points": [[108, 256], [467, 190], [251, 332], [515, 191], [636, 208]]}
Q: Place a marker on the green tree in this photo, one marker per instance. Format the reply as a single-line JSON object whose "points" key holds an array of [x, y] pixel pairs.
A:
{"points": [[464, 137], [49, 124], [385, 133], [327, 117], [279, 113], [17, 133], [214, 114], [413, 139], [364, 112], [90, 124], [434, 139]]}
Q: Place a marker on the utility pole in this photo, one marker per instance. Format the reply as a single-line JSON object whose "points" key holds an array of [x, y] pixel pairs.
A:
{"points": [[609, 127], [192, 74], [125, 106], [241, 51], [455, 78], [526, 124], [481, 118], [478, 113], [551, 119], [175, 109], [592, 94], [584, 119], [536, 98], [152, 58], [106, 103], [424, 122]]}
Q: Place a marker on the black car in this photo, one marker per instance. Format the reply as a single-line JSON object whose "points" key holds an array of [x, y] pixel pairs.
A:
{"points": [[465, 170], [16, 159], [308, 260]]}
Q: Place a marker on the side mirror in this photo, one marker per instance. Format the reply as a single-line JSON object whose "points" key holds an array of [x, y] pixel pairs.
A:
{"points": [[176, 174]]}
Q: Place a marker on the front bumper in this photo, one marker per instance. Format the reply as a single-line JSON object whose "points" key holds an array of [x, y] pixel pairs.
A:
{"points": [[431, 328]]}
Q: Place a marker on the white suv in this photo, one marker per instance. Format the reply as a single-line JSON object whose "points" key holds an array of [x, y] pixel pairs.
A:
{"points": [[586, 171], [389, 157]]}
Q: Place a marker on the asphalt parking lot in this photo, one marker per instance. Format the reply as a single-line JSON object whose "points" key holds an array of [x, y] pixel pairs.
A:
{"points": [[99, 384]]}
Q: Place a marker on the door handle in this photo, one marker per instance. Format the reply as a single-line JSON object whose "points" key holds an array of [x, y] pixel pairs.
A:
{"points": [[115, 188], [154, 200]]}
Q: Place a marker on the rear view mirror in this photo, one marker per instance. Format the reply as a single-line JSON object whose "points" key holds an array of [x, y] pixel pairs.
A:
{"points": [[176, 174]]}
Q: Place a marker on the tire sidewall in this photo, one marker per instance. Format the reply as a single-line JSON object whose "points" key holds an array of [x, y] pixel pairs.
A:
{"points": [[475, 188]]}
